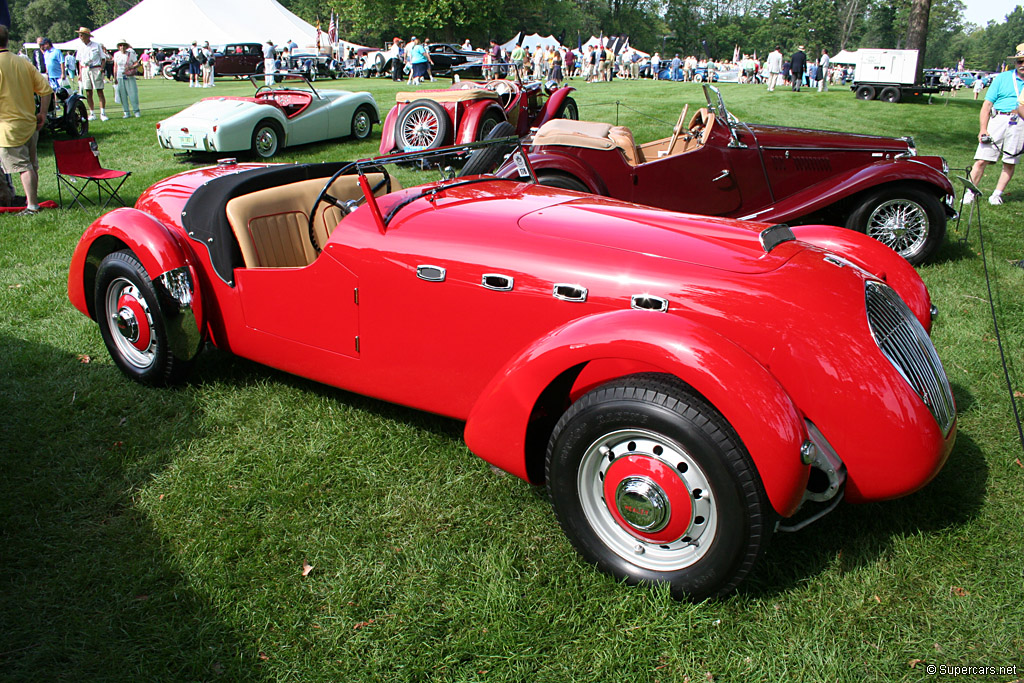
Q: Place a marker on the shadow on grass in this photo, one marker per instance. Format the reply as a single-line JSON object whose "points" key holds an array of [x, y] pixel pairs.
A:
{"points": [[857, 535], [88, 588]]}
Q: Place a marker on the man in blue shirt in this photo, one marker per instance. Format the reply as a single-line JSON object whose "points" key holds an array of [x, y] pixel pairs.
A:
{"points": [[54, 63], [1001, 129]]}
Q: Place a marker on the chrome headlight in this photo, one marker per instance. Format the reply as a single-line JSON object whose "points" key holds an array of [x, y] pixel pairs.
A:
{"points": [[911, 147]]}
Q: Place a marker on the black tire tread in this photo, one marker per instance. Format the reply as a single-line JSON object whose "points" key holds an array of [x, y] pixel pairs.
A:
{"points": [[673, 394]]}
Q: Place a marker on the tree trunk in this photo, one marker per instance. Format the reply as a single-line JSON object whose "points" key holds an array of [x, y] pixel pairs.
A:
{"points": [[917, 32]]}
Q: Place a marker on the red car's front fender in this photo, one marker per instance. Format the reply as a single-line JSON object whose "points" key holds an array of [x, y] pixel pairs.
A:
{"points": [[387, 132], [552, 106], [160, 250], [876, 258], [836, 188], [762, 413]]}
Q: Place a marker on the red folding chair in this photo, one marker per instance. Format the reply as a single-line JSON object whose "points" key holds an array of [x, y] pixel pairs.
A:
{"points": [[80, 159]]}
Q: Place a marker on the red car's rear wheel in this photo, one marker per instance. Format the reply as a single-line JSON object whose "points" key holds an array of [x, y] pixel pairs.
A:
{"points": [[423, 124], [651, 484]]}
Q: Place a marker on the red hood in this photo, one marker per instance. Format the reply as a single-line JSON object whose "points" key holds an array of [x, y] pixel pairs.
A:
{"points": [[719, 243], [782, 136]]}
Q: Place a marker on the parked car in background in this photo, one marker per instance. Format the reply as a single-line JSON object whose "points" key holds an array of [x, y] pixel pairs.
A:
{"points": [[273, 118], [313, 65], [446, 56], [468, 111], [234, 59], [625, 357], [716, 165]]}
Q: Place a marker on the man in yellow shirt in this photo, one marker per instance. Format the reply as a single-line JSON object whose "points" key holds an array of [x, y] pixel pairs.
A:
{"points": [[19, 120]]}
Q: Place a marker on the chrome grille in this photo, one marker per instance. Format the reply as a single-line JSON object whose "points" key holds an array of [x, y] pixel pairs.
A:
{"points": [[908, 347]]}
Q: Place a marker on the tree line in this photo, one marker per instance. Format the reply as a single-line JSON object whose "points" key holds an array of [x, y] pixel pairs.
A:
{"points": [[705, 28]]}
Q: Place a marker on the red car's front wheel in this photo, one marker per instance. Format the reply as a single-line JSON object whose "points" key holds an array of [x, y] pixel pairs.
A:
{"points": [[652, 485]]}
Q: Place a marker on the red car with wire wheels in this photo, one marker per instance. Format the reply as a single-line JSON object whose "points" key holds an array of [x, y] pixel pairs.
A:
{"points": [[714, 164], [623, 356], [468, 111]]}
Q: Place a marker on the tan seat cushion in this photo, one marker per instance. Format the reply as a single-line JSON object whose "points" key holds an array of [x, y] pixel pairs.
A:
{"points": [[623, 139], [272, 225], [461, 95]]}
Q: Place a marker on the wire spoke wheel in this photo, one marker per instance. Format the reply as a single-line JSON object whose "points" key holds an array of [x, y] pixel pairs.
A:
{"points": [[899, 223], [420, 129]]}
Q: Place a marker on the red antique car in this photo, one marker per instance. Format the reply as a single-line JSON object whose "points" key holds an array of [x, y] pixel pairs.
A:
{"points": [[622, 355], [716, 165], [427, 119]]}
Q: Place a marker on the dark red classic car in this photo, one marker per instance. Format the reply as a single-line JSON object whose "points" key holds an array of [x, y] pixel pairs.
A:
{"points": [[427, 119], [621, 355], [716, 165]]}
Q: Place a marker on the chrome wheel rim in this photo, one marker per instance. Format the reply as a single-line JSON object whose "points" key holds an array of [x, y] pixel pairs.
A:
{"points": [[361, 125], [266, 142], [901, 224], [130, 323], [647, 499], [420, 128]]}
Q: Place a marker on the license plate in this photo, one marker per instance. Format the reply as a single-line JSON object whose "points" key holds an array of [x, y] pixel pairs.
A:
{"points": [[187, 140]]}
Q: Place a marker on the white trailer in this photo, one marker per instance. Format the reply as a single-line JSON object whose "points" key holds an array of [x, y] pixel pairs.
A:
{"points": [[888, 75]]}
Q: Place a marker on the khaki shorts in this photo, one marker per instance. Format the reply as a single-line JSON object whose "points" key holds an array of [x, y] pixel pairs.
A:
{"points": [[92, 78], [1006, 139], [21, 159]]}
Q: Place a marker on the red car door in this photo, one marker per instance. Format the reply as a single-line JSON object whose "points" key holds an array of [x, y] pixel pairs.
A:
{"points": [[701, 181]]}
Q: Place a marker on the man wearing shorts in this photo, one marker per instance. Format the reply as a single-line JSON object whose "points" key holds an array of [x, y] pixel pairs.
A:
{"points": [[1001, 129], [19, 121], [91, 60]]}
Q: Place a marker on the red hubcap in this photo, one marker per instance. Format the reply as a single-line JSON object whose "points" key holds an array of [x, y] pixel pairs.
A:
{"points": [[132, 322], [648, 498]]}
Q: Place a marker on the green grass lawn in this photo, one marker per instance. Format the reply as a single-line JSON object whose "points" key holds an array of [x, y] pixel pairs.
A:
{"points": [[162, 534]]}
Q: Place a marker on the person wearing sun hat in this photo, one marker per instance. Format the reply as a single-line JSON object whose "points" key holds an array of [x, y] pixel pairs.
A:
{"points": [[126, 68], [91, 60], [1001, 128]]}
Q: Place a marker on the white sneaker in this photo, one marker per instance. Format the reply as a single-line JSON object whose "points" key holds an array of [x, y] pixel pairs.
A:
{"points": [[968, 197], [137, 115], [104, 117], [124, 115], [91, 117], [995, 200]]}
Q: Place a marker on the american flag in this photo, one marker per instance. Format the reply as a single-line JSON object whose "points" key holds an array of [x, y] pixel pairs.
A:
{"points": [[332, 30], [318, 32]]}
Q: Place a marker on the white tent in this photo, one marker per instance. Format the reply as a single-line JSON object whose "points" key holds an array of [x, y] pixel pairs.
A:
{"points": [[608, 40], [531, 42], [845, 57], [175, 23]]}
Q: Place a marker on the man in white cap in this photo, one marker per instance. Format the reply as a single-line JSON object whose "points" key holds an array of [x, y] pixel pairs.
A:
{"points": [[1001, 129], [91, 60]]}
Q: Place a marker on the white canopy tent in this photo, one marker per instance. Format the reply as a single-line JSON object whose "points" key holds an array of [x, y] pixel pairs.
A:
{"points": [[175, 23], [845, 57], [531, 42], [609, 41]]}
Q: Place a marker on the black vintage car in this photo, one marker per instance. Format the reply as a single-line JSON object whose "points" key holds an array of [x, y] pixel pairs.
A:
{"points": [[446, 55]]}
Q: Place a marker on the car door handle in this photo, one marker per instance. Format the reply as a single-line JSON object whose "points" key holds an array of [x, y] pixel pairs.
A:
{"points": [[725, 174]]}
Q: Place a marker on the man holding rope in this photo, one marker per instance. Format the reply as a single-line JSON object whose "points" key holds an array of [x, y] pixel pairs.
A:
{"points": [[1001, 130]]}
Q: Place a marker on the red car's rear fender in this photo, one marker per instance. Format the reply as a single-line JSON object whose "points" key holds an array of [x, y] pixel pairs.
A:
{"points": [[168, 261], [876, 258], [762, 413], [567, 164], [834, 189], [387, 133], [470, 117], [552, 106]]}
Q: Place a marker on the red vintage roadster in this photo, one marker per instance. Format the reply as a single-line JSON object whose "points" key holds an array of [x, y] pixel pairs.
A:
{"points": [[716, 165], [621, 355], [468, 111]]}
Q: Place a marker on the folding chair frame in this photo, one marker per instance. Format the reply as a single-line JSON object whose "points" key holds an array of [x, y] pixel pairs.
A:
{"points": [[102, 185]]}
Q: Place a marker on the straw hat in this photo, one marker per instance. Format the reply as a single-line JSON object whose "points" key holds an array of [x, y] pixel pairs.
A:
{"points": [[123, 42], [83, 31], [1020, 52]]}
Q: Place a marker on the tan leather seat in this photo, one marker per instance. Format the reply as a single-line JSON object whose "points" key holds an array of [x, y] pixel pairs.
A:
{"points": [[623, 139], [272, 225]]}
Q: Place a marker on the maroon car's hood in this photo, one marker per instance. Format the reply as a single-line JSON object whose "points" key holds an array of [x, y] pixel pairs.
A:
{"points": [[781, 136], [719, 243]]}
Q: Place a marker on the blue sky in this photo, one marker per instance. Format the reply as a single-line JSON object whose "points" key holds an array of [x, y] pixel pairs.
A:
{"points": [[981, 11]]}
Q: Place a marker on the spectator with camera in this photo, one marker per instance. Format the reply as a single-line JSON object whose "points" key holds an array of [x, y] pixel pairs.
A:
{"points": [[1001, 130]]}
